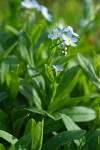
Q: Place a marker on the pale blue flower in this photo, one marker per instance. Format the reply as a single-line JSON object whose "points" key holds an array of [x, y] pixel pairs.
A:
{"points": [[45, 13], [69, 40], [84, 23], [58, 67], [33, 4], [70, 29], [60, 26], [30, 4], [56, 34]]}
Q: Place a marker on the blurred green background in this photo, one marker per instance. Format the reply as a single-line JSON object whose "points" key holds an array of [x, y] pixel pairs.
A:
{"points": [[68, 12]]}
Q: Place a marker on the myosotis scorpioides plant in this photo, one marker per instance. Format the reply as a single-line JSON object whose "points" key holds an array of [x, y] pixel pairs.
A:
{"points": [[46, 103], [66, 37]]}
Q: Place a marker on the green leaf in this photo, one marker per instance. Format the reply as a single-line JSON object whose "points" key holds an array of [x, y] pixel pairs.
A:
{"points": [[24, 53], [3, 95], [68, 82], [7, 64], [36, 32], [97, 63], [89, 9], [2, 147], [89, 70], [8, 137], [13, 84], [52, 101], [49, 73], [4, 121], [63, 138], [12, 29], [10, 50], [30, 93], [36, 110], [93, 139], [12, 147], [69, 124], [74, 101], [36, 131], [66, 85], [23, 142], [17, 118], [64, 60], [37, 138], [36, 78], [77, 114], [39, 111]]}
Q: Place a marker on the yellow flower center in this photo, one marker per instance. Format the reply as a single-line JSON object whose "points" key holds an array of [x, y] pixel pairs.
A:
{"points": [[57, 34], [69, 40], [29, 4]]}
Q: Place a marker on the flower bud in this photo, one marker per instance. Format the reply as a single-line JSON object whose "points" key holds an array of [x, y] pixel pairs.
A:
{"points": [[62, 44]]}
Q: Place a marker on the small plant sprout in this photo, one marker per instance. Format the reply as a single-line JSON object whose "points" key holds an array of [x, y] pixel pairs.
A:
{"points": [[58, 67]]}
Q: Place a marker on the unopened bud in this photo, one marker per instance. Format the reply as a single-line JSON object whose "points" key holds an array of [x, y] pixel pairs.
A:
{"points": [[62, 44], [65, 48]]}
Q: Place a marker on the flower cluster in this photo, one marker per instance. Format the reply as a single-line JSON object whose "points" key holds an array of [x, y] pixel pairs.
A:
{"points": [[65, 35], [33, 4]]}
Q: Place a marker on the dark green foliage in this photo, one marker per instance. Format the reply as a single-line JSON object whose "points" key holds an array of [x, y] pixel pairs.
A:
{"points": [[42, 108]]}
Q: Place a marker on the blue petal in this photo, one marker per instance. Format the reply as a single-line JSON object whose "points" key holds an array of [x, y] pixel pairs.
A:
{"points": [[75, 34], [55, 31], [45, 13], [50, 36], [67, 43], [70, 29], [69, 34], [60, 26], [62, 31], [74, 39], [73, 44], [58, 67], [55, 37], [64, 37]]}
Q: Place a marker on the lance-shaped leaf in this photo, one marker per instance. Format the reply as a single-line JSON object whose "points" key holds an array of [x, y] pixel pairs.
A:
{"points": [[89, 70], [63, 138]]}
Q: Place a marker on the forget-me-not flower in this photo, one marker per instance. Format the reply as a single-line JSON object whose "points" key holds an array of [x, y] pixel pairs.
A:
{"points": [[45, 13], [30, 4], [60, 26], [84, 23], [58, 67], [56, 34], [33, 4], [69, 40], [70, 29]]}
